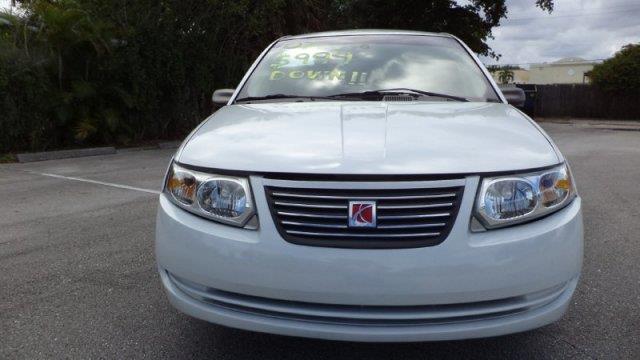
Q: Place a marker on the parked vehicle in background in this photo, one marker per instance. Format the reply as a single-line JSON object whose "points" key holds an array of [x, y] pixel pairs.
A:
{"points": [[369, 186], [514, 95]]}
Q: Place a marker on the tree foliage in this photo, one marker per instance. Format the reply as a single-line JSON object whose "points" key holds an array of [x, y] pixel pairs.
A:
{"points": [[471, 22], [79, 72], [495, 68], [620, 73]]}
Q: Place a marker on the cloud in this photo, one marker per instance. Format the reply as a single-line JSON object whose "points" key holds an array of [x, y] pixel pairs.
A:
{"points": [[593, 29]]}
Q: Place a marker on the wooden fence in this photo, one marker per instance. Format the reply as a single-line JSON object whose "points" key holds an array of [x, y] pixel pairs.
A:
{"points": [[584, 101]]}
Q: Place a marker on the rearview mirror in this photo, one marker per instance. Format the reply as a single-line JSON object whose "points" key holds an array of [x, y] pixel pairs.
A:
{"points": [[221, 96], [514, 95]]}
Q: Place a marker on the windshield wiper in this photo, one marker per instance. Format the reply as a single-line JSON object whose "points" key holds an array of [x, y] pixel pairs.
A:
{"points": [[384, 92], [358, 95], [283, 96]]}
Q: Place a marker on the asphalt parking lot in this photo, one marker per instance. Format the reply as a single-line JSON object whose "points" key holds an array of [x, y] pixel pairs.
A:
{"points": [[78, 277]]}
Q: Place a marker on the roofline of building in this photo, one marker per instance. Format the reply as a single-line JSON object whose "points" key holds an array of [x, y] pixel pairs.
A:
{"points": [[586, 62]]}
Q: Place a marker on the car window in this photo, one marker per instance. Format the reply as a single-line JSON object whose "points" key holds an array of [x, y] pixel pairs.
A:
{"points": [[326, 66]]}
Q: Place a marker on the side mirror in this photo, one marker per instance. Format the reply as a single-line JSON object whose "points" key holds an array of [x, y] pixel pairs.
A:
{"points": [[514, 95], [221, 96]]}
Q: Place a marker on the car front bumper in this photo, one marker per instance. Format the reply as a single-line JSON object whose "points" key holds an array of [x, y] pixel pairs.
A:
{"points": [[472, 285]]}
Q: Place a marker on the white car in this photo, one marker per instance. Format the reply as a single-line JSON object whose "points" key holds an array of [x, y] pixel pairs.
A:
{"points": [[369, 186]]}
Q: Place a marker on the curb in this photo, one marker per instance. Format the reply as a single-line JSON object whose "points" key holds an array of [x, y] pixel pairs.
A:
{"points": [[64, 154], [613, 127], [134, 149], [74, 153], [623, 125], [169, 144]]}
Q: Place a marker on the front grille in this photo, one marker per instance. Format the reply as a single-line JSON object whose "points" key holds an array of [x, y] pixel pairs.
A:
{"points": [[406, 217]]}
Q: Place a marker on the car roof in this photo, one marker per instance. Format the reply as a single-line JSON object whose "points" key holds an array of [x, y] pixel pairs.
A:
{"points": [[364, 32]]}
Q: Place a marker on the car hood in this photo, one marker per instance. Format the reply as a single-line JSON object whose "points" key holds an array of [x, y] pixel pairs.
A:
{"points": [[368, 138]]}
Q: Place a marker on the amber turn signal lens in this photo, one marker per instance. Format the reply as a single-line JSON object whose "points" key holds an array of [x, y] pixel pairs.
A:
{"points": [[555, 187], [182, 187]]}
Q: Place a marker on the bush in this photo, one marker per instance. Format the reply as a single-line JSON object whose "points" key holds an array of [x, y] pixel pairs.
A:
{"points": [[93, 72], [621, 73], [88, 72], [25, 86]]}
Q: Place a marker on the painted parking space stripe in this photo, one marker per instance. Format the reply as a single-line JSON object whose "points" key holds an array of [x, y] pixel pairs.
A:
{"points": [[120, 186]]}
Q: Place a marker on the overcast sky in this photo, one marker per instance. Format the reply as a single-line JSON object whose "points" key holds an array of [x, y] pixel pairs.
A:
{"points": [[591, 29]]}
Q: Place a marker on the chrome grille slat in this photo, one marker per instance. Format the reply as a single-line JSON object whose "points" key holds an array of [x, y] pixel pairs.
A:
{"points": [[324, 216], [373, 235], [412, 216], [410, 226], [418, 206], [320, 206], [337, 197], [308, 224]]}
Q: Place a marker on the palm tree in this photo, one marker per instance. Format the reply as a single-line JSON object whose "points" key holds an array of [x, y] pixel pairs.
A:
{"points": [[65, 26], [505, 76]]}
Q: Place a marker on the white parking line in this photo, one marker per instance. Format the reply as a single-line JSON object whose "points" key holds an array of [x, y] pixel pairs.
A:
{"points": [[127, 187]]}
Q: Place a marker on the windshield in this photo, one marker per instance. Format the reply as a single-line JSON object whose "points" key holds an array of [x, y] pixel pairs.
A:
{"points": [[328, 66]]}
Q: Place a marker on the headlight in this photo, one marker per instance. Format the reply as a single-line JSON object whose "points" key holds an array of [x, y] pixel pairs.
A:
{"points": [[225, 199], [508, 200]]}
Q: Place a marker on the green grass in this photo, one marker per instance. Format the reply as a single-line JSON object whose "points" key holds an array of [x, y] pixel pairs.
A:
{"points": [[7, 158]]}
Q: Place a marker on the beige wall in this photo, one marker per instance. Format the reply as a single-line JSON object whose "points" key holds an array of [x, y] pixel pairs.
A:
{"points": [[559, 73], [564, 71]]}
